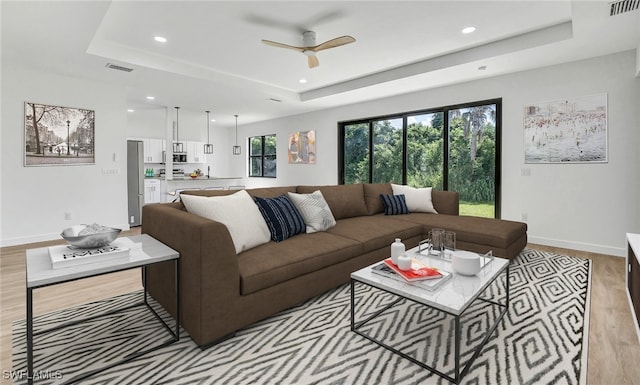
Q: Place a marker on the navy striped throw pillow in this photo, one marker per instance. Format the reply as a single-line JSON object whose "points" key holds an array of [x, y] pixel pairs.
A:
{"points": [[282, 217], [394, 204]]}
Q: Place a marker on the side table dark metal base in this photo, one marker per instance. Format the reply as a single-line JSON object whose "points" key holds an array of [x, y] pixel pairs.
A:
{"points": [[164, 254]]}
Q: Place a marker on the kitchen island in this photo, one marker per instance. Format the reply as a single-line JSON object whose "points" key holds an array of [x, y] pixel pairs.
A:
{"points": [[199, 183]]}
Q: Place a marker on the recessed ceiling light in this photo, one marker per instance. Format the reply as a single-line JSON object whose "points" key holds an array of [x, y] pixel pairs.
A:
{"points": [[213, 120], [160, 39], [468, 29], [150, 97], [303, 81], [129, 110]]}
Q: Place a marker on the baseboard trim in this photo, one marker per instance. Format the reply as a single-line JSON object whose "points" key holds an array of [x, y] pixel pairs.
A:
{"points": [[589, 247], [44, 237]]}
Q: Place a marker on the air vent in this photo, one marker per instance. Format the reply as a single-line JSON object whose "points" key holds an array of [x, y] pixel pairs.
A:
{"points": [[623, 6], [126, 69]]}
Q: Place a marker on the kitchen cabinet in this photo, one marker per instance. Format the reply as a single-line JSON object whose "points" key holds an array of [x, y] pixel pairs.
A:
{"points": [[151, 191], [195, 152], [153, 149]]}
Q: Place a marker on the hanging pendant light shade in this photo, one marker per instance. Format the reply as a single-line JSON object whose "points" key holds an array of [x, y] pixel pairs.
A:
{"points": [[236, 148], [177, 146], [208, 147]]}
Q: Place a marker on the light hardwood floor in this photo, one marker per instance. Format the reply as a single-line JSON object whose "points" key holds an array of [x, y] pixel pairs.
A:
{"points": [[614, 351]]}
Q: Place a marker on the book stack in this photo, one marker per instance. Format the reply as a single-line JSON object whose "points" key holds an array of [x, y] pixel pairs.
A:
{"points": [[429, 278], [65, 256]]}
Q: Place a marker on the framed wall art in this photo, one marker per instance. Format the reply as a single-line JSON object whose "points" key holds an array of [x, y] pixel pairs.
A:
{"points": [[56, 135], [567, 130], [302, 147]]}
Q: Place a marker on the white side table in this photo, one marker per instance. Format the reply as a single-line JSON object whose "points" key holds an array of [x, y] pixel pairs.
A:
{"points": [[144, 250]]}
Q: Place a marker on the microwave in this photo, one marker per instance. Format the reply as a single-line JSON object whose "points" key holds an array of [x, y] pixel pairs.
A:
{"points": [[177, 158]]}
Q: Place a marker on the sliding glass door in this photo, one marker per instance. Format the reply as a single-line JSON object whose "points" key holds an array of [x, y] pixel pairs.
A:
{"points": [[356, 153], [455, 148], [387, 151], [472, 158], [425, 150]]}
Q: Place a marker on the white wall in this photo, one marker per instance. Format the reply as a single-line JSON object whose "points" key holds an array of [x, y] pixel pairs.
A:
{"points": [[35, 199], [580, 206]]}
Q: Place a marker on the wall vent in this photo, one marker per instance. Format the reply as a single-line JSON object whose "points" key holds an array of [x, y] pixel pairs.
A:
{"points": [[126, 69], [623, 6]]}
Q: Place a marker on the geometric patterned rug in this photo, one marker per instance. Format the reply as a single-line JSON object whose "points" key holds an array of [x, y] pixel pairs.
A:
{"points": [[541, 340]]}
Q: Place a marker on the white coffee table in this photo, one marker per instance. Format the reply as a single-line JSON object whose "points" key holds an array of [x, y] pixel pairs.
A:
{"points": [[144, 250], [453, 298]]}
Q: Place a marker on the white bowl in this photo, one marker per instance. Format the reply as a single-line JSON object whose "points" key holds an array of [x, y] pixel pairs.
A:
{"points": [[89, 241], [465, 262]]}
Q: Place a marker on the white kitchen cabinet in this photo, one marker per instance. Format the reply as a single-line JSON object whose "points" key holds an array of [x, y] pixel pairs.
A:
{"points": [[153, 149], [152, 191], [195, 152]]}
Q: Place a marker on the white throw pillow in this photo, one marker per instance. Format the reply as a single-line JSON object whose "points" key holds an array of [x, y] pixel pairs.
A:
{"points": [[314, 210], [418, 199], [238, 212]]}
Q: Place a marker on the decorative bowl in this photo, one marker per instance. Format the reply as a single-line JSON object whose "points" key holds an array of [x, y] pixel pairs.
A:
{"points": [[465, 263], [89, 241]]}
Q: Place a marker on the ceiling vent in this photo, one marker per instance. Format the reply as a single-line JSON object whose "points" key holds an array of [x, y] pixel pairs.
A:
{"points": [[623, 6], [126, 69]]}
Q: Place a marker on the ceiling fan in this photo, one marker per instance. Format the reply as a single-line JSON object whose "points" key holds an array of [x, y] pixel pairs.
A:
{"points": [[310, 48]]}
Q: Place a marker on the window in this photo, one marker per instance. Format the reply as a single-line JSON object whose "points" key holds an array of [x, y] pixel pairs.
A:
{"points": [[454, 148], [355, 143], [262, 156], [388, 141]]}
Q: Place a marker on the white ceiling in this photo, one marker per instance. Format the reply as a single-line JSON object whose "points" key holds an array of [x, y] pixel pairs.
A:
{"points": [[214, 58]]}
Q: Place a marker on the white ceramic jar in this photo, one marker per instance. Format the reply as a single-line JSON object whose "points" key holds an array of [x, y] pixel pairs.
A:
{"points": [[397, 249], [404, 262]]}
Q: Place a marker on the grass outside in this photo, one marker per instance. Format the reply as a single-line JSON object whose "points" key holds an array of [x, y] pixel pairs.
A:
{"points": [[477, 209]]}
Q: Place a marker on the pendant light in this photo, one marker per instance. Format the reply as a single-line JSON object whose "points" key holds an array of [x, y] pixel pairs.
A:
{"points": [[208, 147], [236, 148], [177, 146]]}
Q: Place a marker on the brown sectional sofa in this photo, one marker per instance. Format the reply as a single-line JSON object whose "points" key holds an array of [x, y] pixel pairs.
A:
{"points": [[221, 292]]}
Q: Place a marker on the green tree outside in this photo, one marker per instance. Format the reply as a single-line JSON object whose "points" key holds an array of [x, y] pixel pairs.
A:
{"points": [[471, 157]]}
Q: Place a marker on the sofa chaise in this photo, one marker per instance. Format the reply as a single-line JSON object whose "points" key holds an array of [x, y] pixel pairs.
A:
{"points": [[222, 291]]}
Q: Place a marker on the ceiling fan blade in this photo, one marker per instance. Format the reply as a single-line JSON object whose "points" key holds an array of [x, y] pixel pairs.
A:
{"points": [[281, 45], [337, 42], [313, 61]]}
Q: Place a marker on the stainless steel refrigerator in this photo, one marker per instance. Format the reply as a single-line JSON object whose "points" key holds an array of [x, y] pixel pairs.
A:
{"points": [[135, 181]]}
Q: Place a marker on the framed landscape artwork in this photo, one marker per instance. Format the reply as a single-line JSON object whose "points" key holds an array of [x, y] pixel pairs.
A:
{"points": [[55, 135], [302, 147], [566, 131]]}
